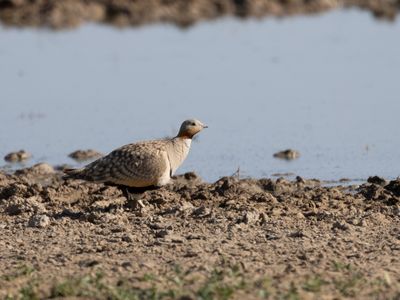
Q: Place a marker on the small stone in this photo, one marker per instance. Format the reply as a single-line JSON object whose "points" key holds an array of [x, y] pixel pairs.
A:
{"points": [[297, 234], [18, 156], [270, 236], [127, 238], [126, 264], [174, 238], [190, 176], [264, 197], [161, 233], [287, 154], [251, 217], [300, 180], [357, 222], [40, 221], [81, 155], [396, 211], [202, 211], [87, 263], [276, 212], [340, 225]]}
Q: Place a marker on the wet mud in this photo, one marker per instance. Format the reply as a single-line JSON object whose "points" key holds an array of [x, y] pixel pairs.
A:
{"points": [[234, 238], [64, 14]]}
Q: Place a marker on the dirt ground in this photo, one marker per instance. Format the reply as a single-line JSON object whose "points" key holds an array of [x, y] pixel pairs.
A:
{"points": [[61, 14], [232, 239]]}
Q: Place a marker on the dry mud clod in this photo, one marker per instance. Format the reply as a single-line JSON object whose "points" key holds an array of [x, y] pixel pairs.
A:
{"points": [[82, 155], [18, 156], [288, 154]]}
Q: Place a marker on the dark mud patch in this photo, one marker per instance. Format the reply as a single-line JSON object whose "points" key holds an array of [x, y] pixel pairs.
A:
{"points": [[61, 14], [17, 156], [229, 239], [83, 155], [288, 154]]}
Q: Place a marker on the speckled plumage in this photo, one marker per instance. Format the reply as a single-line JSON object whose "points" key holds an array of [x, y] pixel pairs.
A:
{"points": [[142, 164]]}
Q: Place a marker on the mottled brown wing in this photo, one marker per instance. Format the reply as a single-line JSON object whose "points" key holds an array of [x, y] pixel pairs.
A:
{"points": [[143, 163]]}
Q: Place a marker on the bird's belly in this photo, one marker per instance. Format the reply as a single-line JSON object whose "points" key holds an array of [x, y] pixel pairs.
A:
{"points": [[141, 182], [136, 182]]}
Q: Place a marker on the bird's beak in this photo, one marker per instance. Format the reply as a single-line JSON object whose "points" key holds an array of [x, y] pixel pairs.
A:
{"points": [[205, 126]]}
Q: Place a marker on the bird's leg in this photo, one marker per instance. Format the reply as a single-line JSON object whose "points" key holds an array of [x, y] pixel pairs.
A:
{"points": [[133, 195]]}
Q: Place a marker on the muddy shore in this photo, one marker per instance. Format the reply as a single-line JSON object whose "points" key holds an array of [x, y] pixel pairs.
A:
{"points": [[65, 14], [194, 240]]}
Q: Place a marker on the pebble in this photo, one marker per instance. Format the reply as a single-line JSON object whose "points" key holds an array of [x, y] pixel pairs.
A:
{"points": [[39, 221], [251, 217], [174, 238], [340, 225]]}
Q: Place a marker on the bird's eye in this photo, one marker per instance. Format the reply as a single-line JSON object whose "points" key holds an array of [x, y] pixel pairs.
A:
{"points": [[193, 124]]}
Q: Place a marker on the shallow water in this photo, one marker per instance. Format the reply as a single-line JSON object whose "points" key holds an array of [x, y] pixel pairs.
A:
{"points": [[325, 85]]}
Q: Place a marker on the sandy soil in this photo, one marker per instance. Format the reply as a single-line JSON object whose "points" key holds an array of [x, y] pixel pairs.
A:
{"points": [[60, 14], [232, 239]]}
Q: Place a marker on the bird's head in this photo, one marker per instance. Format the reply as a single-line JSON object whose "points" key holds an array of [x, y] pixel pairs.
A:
{"points": [[190, 127]]}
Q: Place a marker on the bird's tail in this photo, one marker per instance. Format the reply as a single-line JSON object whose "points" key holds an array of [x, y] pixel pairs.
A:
{"points": [[73, 173]]}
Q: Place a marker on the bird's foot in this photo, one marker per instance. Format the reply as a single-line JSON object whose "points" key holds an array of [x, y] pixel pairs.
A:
{"points": [[134, 195], [133, 199]]}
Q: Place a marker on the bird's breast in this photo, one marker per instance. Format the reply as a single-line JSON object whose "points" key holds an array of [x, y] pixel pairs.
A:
{"points": [[178, 152]]}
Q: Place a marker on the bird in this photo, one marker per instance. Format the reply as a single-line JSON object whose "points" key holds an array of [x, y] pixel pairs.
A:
{"points": [[141, 165]]}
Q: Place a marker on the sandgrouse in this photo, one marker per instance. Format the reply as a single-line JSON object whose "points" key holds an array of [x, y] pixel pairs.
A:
{"points": [[142, 164]]}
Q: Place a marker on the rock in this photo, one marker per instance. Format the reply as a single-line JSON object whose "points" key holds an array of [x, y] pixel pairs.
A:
{"points": [[18, 156], [225, 184], [87, 263], [251, 217], [82, 155], [158, 226], [377, 180], [40, 221], [373, 192], [287, 154], [127, 238], [300, 180], [174, 238], [394, 187], [190, 176], [297, 234], [126, 264], [201, 212], [162, 233], [264, 197], [357, 222], [340, 225]]}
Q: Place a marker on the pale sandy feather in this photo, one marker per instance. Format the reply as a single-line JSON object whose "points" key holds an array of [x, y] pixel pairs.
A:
{"points": [[138, 164], [144, 163]]}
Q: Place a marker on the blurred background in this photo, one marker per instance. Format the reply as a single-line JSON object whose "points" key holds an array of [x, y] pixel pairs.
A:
{"points": [[325, 84]]}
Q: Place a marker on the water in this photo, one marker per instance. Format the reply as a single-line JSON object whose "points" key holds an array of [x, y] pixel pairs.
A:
{"points": [[325, 85]]}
